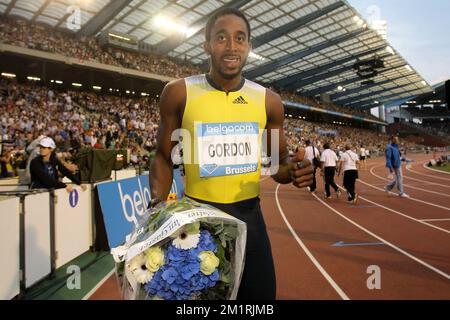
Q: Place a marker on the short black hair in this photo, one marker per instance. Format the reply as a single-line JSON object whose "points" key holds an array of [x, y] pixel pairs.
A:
{"points": [[223, 12], [326, 145], [307, 142]]}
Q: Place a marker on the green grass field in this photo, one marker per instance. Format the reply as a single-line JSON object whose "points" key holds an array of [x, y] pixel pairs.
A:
{"points": [[445, 167]]}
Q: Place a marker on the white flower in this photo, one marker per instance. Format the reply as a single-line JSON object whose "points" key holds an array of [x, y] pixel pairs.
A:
{"points": [[186, 240], [143, 276], [137, 262], [139, 270]]}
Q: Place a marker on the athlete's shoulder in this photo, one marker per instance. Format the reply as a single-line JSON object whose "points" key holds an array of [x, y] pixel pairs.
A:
{"points": [[175, 84], [254, 85], [174, 95], [195, 79], [273, 101]]}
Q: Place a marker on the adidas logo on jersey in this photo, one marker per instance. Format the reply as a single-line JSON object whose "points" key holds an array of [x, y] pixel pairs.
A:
{"points": [[239, 100]]}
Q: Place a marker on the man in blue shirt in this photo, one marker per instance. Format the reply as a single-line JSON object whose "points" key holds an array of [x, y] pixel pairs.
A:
{"points": [[394, 164]]}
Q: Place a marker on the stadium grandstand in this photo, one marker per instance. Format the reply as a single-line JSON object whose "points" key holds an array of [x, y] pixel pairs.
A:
{"points": [[89, 74], [426, 115]]}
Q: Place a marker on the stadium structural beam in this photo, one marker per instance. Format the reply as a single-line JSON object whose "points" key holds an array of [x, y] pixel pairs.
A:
{"points": [[40, 10], [301, 75], [331, 87], [126, 14], [339, 95], [172, 42], [10, 7], [322, 76], [294, 25], [367, 104], [105, 15], [278, 63], [318, 77], [371, 95]]}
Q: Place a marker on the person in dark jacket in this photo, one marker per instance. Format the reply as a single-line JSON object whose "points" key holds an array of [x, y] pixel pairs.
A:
{"points": [[394, 164], [45, 167]]}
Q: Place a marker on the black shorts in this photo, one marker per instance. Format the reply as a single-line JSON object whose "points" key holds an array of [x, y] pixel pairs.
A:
{"points": [[258, 279], [362, 158]]}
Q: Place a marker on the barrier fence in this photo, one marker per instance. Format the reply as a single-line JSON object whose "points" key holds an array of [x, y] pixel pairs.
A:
{"points": [[42, 230]]}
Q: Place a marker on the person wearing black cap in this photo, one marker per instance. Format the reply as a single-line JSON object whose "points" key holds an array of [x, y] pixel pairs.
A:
{"points": [[45, 167]]}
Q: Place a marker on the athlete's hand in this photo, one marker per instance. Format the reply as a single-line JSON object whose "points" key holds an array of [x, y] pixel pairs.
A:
{"points": [[301, 170]]}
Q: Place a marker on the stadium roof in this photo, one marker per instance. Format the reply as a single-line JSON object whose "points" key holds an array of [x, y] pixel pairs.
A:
{"points": [[435, 97], [309, 46]]}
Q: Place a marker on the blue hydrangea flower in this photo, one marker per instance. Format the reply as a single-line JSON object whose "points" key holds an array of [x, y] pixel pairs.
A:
{"points": [[180, 277]]}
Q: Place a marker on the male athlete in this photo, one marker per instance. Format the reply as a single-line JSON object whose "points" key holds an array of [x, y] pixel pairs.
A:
{"points": [[225, 116]]}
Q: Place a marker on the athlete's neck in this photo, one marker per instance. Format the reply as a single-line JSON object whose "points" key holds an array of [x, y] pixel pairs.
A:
{"points": [[223, 84]]}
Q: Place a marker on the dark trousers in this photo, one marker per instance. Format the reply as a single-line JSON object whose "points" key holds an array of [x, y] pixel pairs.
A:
{"points": [[350, 177], [329, 180], [258, 279], [313, 186]]}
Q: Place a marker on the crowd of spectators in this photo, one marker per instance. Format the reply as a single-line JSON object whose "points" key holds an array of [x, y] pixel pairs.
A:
{"points": [[36, 36], [439, 129], [77, 119], [309, 101], [428, 112], [74, 120], [298, 131]]}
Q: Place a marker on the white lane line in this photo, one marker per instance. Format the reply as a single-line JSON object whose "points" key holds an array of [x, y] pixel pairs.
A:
{"points": [[90, 293], [435, 170], [440, 272], [408, 185], [427, 182], [411, 198], [443, 219], [422, 221], [308, 253]]}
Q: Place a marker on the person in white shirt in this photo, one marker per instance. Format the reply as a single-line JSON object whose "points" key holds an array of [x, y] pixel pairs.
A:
{"points": [[328, 161], [362, 157], [312, 152], [348, 163], [339, 152]]}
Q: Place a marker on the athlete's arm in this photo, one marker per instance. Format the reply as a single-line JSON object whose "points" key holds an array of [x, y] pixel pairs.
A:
{"points": [[288, 170], [171, 108]]}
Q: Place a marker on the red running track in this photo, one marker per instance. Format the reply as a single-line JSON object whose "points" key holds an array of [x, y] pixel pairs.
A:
{"points": [[406, 240]]}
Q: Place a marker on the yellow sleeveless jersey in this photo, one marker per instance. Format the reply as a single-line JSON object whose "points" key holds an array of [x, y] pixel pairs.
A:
{"points": [[222, 149]]}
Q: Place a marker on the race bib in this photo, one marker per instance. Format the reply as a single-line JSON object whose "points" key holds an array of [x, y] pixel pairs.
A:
{"points": [[227, 148]]}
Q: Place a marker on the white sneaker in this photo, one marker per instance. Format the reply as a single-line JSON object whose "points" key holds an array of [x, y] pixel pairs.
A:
{"points": [[404, 195]]}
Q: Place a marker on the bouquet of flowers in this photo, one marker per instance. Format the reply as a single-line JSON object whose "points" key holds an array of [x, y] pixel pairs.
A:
{"points": [[182, 250]]}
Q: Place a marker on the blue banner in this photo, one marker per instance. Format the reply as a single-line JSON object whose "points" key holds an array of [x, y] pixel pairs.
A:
{"points": [[123, 201]]}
